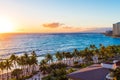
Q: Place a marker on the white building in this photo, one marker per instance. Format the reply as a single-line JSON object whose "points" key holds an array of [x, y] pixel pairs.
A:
{"points": [[116, 29]]}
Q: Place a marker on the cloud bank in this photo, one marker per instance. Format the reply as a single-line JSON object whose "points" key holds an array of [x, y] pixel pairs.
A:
{"points": [[52, 25], [60, 27]]}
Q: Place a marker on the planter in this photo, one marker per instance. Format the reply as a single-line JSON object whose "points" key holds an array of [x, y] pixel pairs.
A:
{"points": [[109, 66], [109, 77]]}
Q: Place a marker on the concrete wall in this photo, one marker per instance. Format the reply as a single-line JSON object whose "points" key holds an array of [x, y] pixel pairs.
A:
{"points": [[118, 25], [116, 29]]}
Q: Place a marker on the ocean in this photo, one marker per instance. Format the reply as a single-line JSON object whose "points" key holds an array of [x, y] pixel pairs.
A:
{"points": [[50, 43]]}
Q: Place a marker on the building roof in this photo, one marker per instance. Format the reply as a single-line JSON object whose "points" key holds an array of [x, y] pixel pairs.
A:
{"points": [[94, 72]]}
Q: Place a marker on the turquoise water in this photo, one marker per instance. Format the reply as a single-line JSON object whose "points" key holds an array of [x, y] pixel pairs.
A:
{"points": [[50, 43]]}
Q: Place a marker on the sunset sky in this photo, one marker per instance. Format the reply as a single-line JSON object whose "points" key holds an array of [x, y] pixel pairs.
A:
{"points": [[44, 16]]}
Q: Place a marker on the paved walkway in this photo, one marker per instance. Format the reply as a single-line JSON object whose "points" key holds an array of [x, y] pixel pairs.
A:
{"points": [[38, 76], [35, 77], [94, 72]]}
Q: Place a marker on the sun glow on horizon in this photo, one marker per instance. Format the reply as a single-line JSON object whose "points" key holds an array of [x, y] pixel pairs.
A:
{"points": [[6, 25]]}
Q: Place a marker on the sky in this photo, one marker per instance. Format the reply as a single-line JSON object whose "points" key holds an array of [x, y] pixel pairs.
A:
{"points": [[48, 16]]}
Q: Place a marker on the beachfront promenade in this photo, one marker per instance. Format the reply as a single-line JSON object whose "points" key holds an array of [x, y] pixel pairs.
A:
{"points": [[36, 77]]}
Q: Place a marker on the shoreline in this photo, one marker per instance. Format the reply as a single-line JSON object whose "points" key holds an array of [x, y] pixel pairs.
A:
{"points": [[113, 36]]}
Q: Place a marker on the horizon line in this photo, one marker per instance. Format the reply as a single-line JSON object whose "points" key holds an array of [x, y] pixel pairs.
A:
{"points": [[46, 32]]}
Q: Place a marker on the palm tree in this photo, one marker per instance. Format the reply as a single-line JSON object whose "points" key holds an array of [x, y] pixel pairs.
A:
{"points": [[33, 60], [103, 52], [8, 66], [63, 55], [13, 59], [34, 54], [59, 56], [27, 62], [29, 65], [81, 56], [69, 56], [2, 67], [21, 62], [16, 73], [93, 47], [43, 62], [75, 54], [49, 58], [44, 69], [100, 45], [111, 51], [87, 54]]}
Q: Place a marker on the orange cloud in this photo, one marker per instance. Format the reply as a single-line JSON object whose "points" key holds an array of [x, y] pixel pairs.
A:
{"points": [[52, 25], [58, 27]]}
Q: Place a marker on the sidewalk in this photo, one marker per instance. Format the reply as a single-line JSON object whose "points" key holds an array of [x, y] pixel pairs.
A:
{"points": [[36, 77]]}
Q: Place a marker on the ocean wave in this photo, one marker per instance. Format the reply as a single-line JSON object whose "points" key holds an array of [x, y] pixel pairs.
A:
{"points": [[50, 43]]}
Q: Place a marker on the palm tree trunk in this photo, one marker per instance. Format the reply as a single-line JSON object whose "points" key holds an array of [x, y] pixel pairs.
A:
{"points": [[64, 60], [1, 75], [33, 69], [7, 74], [22, 71], [69, 61], [26, 70], [15, 65], [49, 62]]}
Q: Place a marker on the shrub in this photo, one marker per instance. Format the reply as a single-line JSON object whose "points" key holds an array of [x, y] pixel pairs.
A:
{"points": [[70, 70], [47, 78], [77, 66], [58, 65], [76, 63], [26, 77], [34, 72], [57, 74], [13, 79]]}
